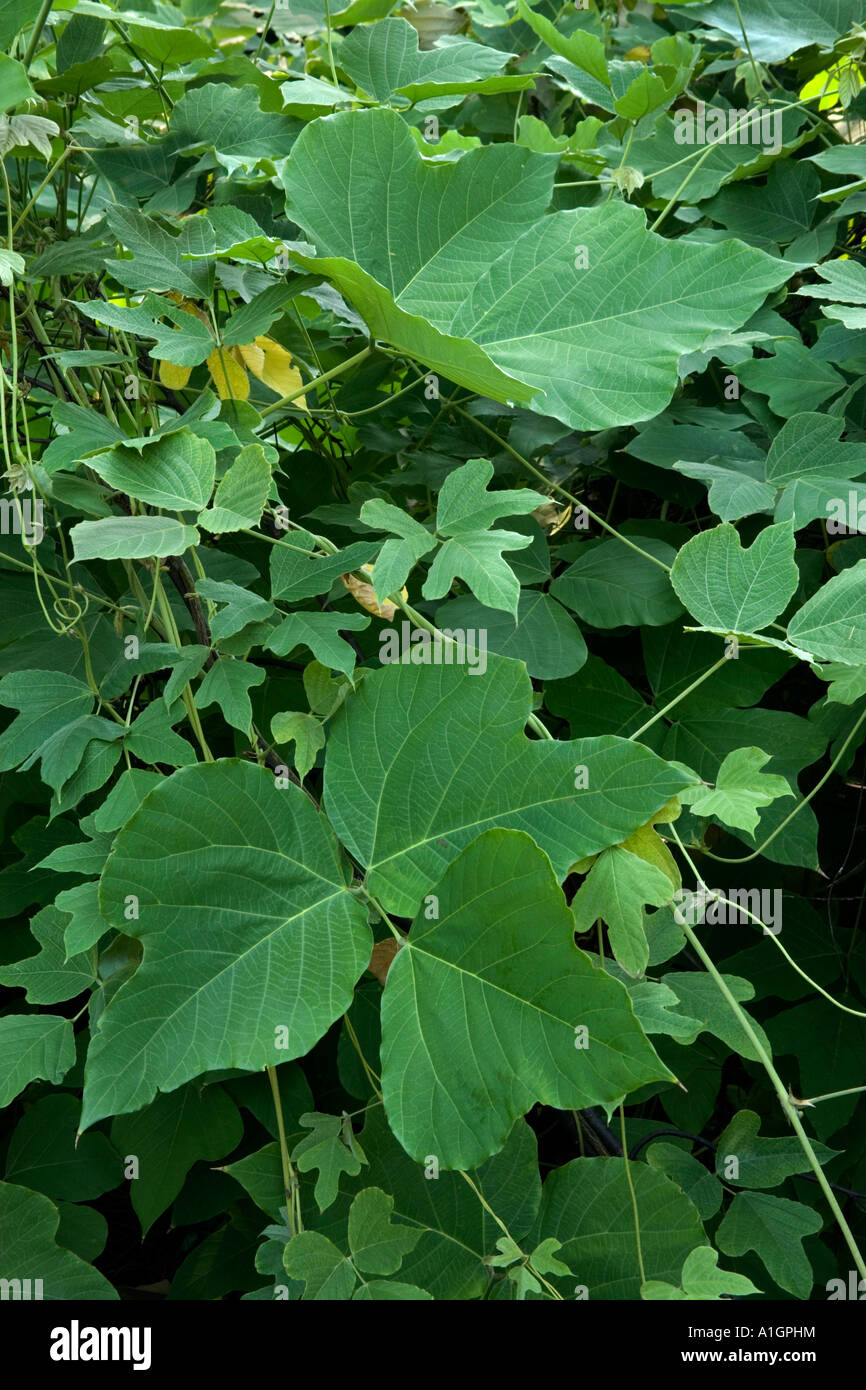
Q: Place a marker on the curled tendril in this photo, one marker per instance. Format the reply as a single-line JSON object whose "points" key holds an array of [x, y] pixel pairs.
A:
{"points": [[70, 611]]}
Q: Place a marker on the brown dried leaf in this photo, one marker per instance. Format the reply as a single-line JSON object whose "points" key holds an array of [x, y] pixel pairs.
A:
{"points": [[380, 961]]}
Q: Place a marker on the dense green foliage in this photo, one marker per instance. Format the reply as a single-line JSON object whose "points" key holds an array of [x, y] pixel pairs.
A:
{"points": [[433, 650]]}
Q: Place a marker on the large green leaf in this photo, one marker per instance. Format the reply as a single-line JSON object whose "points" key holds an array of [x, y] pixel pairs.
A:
{"points": [[610, 585], [131, 538], [175, 472], [466, 251], [735, 590], [832, 625], [588, 1205], [231, 977], [156, 262], [778, 28], [167, 1138], [28, 1240], [422, 759], [489, 1007], [46, 1154], [384, 59], [545, 637]]}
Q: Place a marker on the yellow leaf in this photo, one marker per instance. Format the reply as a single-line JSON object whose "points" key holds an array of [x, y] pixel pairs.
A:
{"points": [[173, 376], [273, 365], [229, 377], [364, 594]]}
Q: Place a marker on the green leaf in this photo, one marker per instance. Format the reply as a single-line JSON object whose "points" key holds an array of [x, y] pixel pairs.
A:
{"points": [[326, 1272], [157, 262], [16, 15], [588, 1205], [388, 1290], [175, 472], [241, 607], [583, 49], [699, 998], [228, 684], [152, 739], [730, 589], [11, 264], [777, 30], [465, 506], [489, 996], [713, 161], [741, 787], [793, 379], [46, 1154], [702, 1280], [168, 1136], [616, 889], [242, 494], [736, 489], [376, 1241], [761, 1162], [458, 1232], [832, 625], [320, 633], [545, 638], [229, 120], [86, 925], [229, 978], [476, 557], [49, 702], [83, 1230], [28, 1231], [31, 1046], [298, 572], [307, 734], [416, 768], [333, 1149], [463, 273], [775, 1229], [186, 343], [49, 977], [610, 585], [384, 58], [131, 538], [14, 84], [704, 1189]]}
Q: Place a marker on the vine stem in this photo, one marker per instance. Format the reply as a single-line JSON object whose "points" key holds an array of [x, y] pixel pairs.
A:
{"points": [[633, 1194], [766, 1061], [677, 698], [758, 83], [289, 1180], [186, 695], [41, 20]]}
